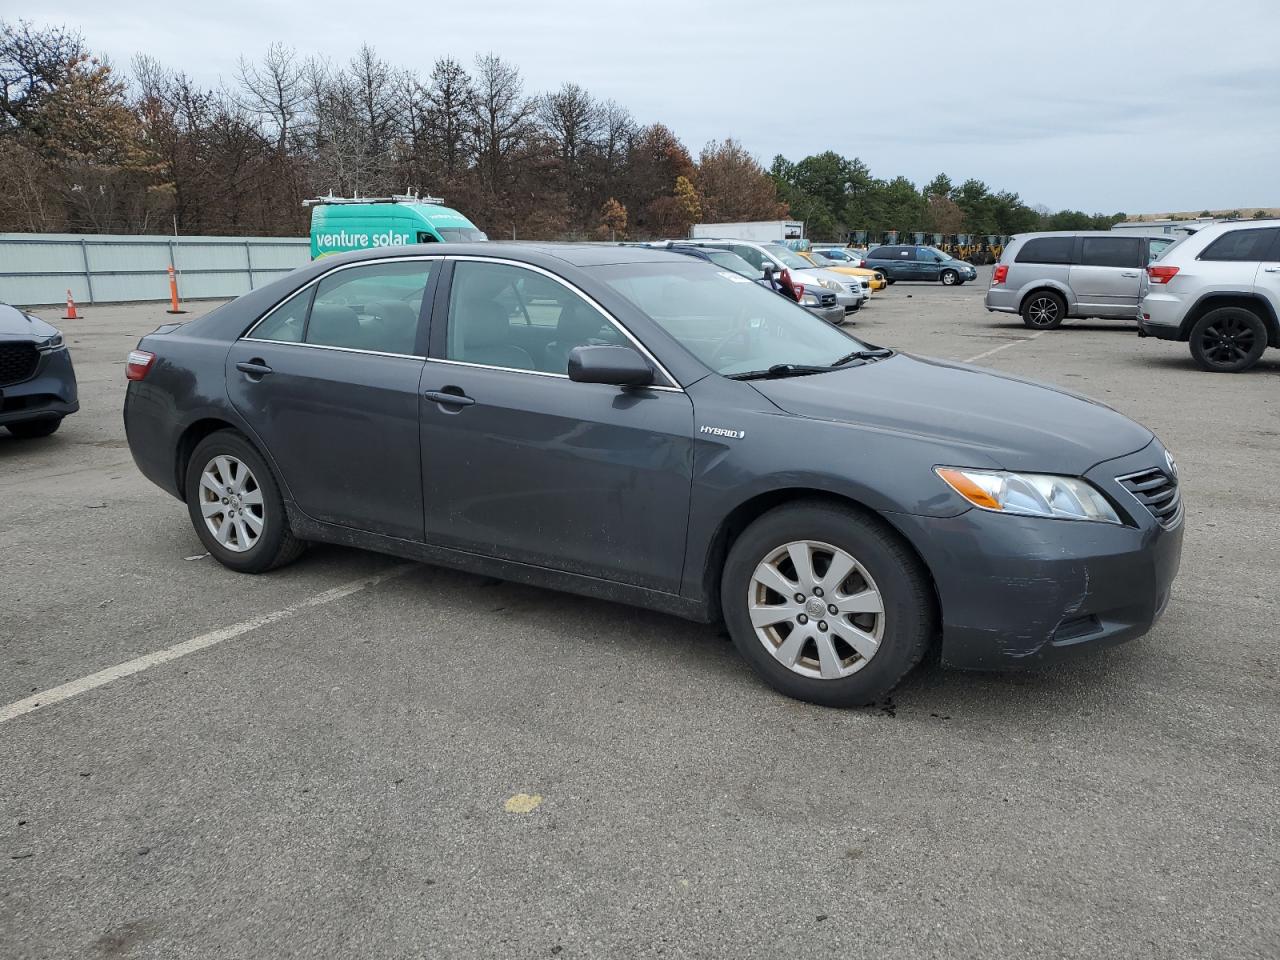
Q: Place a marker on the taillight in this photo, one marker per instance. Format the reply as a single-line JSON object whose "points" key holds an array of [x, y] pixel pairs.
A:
{"points": [[1001, 274], [1161, 274], [862, 264], [139, 365]]}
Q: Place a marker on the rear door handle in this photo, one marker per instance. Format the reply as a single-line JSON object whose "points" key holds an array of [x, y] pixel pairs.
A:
{"points": [[447, 398], [1272, 269], [1129, 273], [254, 367]]}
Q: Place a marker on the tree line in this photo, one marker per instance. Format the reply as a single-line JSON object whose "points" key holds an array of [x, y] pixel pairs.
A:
{"points": [[86, 148]]}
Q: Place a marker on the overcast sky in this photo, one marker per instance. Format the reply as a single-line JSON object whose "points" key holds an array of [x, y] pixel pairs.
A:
{"points": [[1104, 106]]}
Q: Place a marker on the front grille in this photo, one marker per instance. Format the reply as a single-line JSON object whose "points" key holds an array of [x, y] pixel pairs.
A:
{"points": [[827, 299], [854, 288], [17, 362], [1158, 492]]}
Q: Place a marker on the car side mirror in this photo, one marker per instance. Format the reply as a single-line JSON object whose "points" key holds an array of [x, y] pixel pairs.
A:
{"points": [[619, 366]]}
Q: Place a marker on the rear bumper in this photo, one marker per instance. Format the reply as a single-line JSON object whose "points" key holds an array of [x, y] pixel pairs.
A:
{"points": [[1160, 315], [51, 392], [1017, 591], [1001, 298]]}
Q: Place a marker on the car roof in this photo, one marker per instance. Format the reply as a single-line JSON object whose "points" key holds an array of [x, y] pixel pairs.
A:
{"points": [[577, 254], [1153, 235]]}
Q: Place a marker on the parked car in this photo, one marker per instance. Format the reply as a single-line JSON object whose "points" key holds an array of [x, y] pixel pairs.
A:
{"points": [[914, 262], [37, 381], [821, 303], [626, 423], [849, 292], [1219, 291], [1047, 277], [850, 259], [870, 279]]}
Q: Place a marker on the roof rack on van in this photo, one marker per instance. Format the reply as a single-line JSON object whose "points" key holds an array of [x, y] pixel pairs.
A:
{"points": [[394, 198]]}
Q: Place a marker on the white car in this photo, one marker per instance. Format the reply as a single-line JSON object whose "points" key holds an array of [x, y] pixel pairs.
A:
{"points": [[1217, 290], [849, 291]]}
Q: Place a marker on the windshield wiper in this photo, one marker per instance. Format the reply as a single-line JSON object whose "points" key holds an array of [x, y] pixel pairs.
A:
{"points": [[879, 353], [778, 371]]}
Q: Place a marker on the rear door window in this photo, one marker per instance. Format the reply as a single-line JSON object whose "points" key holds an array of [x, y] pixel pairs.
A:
{"points": [[1047, 250], [1156, 248], [1110, 251], [1241, 245], [370, 308]]}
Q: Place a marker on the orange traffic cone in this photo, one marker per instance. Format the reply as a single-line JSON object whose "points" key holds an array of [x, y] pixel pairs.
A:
{"points": [[71, 308], [175, 304]]}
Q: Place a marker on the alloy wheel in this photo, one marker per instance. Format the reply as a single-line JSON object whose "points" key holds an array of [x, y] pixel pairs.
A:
{"points": [[816, 609], [1042, 311], [231, 503], [1227, 341], [949, 278]]}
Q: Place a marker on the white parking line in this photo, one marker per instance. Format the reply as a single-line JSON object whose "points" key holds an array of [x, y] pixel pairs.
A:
{"points": [[1003, 346], [72, 688]]}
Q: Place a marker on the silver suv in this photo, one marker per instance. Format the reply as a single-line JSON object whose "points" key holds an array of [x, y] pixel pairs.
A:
{"points": [[1219, 291], [1047, 277]]}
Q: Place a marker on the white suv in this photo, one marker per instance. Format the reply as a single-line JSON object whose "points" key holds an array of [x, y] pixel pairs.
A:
{"points": [[1218, 290]]}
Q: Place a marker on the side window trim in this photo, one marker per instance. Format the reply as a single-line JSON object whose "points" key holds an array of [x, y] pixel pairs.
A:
{"points": [[438, 352], [424, 313]]}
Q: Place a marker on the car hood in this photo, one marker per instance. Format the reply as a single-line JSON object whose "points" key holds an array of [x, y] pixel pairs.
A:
{"points": [[990, 419], [16, 325]]}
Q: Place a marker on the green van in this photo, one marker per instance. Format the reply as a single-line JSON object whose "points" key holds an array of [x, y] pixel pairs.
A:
{"points": [[339, 224]]}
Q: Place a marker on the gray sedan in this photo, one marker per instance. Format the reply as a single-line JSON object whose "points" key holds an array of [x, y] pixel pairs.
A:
{"points": [[638, 425]]}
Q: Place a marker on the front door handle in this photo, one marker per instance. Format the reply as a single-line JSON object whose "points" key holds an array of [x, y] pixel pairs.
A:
{"points": [[255, 368], [448, 398]]}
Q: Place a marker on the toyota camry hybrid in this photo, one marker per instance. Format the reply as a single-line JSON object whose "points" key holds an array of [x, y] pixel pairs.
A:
{"points": [[645, 427]]}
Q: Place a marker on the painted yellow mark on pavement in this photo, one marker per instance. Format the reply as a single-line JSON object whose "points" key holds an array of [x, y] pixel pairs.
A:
{"points": [[523, 803]]}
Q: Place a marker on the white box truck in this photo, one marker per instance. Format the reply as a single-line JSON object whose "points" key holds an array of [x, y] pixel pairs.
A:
{"points": [[758, 231]]}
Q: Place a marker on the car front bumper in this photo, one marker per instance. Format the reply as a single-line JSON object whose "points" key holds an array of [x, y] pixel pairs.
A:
{"points": [[1016, 591], [50, 392], [833, 315]]}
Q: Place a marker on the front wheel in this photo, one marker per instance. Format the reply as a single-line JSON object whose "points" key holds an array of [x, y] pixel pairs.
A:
{"points": [[236, 507], [949, 278], [1228, 340], [827, 604]]}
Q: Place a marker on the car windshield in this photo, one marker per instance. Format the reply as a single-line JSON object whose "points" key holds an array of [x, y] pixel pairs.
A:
{"points": [[820, 260], [461, 234], [840, 255], [732, 325], [792, 261], [731, 261]]}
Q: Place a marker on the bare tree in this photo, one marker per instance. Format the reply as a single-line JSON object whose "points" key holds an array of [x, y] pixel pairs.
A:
{"points": [[274, 90], [502, 117], [450, 111]]}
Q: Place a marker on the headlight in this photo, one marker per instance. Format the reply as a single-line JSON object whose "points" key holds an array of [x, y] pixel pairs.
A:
{"points": [[830, 284], [809, 300], [1029, 494], [53, 343]]}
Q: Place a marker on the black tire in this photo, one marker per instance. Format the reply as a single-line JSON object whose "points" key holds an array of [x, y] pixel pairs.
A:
{"points": [[276, 545], [949, 278], [1228, 340], [908, 618], [31, 429], [1044, 310]]}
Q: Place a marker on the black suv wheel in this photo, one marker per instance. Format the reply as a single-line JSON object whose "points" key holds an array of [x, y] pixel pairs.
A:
{"points": [[1228, 340]]}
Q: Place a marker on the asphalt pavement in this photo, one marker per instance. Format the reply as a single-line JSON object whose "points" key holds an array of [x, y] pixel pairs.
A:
{"points": [[358, 757]]}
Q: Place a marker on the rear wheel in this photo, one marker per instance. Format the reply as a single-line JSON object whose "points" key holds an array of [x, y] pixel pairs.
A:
{"points": [[827, 604], [1044, 310], [30, 429], [1228, 340], [236, 507]]}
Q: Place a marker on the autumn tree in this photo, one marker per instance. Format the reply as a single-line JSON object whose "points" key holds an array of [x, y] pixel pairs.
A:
{"points": [[733, 185], [613, 219]]}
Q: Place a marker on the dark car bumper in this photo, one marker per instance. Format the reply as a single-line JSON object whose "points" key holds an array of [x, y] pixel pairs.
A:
{"points": [[1016, 591], [1159, 330], [50, 392]]}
